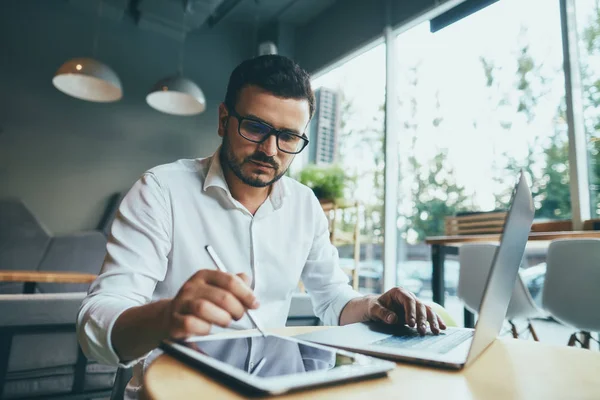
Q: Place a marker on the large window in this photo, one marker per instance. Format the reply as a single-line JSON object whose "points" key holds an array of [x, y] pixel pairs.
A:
{"points": [[349, 122], [478, 101], [588, 23]]}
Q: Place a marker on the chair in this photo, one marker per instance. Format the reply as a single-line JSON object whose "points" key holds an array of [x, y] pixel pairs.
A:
{"points": [[443, 313], [23, 240], [475, 264], [39, 354], [571, 292]]}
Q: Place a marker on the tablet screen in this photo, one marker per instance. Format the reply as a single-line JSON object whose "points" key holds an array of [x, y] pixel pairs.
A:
{"points": [[270, 356]]}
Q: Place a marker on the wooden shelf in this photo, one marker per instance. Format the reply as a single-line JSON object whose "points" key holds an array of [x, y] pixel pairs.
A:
{"points": [[330, 209]]}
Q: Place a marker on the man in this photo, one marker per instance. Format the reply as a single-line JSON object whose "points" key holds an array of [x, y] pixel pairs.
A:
{"points": [[270, 231]]}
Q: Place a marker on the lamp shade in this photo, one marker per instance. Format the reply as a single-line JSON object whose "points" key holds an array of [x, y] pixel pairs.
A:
{"points": [[176, 95], [88, 79]]}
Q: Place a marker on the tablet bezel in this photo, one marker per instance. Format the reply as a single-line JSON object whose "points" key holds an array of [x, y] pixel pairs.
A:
{"points": [[368, 367]]}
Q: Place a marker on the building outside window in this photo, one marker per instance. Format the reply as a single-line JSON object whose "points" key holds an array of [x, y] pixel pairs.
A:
{"points": [[324, 127]]}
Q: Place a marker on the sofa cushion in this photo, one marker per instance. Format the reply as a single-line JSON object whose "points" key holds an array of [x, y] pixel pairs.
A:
{"points": [[23, 240], [39, 309], [79, 252], [57, 380]]}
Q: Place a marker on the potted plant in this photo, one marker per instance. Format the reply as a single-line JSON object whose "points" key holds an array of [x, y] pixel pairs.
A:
{"points": [[326, 181]]}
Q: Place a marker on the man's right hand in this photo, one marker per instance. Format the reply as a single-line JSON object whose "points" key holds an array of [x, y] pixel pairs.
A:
{"points": [[208, 297]]}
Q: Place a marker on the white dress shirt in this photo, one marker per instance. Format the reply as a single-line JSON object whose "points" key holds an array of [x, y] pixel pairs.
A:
{"points": [[157, 242]]}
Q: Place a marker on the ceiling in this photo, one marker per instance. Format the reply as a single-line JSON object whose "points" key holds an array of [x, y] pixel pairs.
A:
{"points": [[293, 12], [167, 16]]}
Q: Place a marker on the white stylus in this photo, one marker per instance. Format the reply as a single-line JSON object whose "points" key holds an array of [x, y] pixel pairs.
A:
{"points": [[219, 264]]}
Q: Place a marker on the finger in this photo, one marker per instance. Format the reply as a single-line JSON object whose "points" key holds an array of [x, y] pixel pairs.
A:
{"points": [[233, 284], [405, 298], [380, 313], [188, 325], [209, 312], [247, 280], [441, 322], [433, 321], [222, 298], [421, 318]]}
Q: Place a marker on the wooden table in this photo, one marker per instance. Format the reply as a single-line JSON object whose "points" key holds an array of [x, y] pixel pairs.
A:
{"points": [[509, 369], [31, 278], [442, 245]]}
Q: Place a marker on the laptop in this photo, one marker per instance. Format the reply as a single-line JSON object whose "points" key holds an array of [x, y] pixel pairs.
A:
{"points": [[454, 348]]}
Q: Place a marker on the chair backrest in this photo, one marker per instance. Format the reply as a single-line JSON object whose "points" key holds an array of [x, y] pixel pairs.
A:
{"points": [[572, 287], [475, 264], [78, 252], [23, 240]]}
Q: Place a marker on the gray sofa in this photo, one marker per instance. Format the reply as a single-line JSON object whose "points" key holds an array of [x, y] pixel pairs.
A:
{"points": [[39, 354], [25, 244], [301, 311]]}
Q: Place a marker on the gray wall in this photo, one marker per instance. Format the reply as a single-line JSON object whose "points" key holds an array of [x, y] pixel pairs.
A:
{"points": [[349, 25], [63, 156]]}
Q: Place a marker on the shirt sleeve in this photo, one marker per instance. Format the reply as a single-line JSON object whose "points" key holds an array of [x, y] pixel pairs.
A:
{"points": [[324, 280], [136, 259]]}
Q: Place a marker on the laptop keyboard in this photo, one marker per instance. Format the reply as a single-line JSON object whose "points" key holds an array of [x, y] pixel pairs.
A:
{"points": [[442, 343]]}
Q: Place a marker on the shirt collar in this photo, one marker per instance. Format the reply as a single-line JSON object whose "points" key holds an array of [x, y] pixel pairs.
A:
{"points": [[216, 177]]}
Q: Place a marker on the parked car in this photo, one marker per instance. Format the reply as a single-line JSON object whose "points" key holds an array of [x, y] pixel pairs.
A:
{"points": [[533, 278], [411, 284], [422, 269], [370, 273]]}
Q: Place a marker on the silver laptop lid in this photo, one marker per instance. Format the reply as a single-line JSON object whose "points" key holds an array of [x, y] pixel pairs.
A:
{"points": [[504, 270]]}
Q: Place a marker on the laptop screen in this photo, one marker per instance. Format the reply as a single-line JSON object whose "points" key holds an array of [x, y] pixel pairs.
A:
{"points": [[504, 270]]}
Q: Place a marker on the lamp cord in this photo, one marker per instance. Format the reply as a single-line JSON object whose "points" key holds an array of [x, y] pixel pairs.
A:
{"points": [[255, 27], [183, 35], [96, 28]]}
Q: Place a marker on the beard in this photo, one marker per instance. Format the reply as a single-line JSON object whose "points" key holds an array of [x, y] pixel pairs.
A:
{"points": [[254, 180]]}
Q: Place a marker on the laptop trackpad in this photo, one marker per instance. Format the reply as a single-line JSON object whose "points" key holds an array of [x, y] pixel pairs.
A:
{"points": [[392, 336], [409, 339], [359, 333]]}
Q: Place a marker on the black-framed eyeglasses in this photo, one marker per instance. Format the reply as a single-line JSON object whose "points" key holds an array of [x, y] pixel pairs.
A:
{"points": [[258, 131]]}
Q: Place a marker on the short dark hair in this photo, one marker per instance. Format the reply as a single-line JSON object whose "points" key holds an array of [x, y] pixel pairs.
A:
{"points": [[274, 73]]}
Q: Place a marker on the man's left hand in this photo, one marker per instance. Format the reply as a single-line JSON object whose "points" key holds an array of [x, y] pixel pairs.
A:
{"points": [[399, 306]]}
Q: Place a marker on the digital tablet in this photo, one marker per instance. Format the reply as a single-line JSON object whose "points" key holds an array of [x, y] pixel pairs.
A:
{"points": [[273, 364]]}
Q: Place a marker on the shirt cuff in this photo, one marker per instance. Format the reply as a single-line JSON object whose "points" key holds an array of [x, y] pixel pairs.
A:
{"points": [[127, 364], [332, 316], [96, 332]]}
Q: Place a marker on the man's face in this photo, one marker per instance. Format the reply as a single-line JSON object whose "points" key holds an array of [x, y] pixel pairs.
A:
{"points": [[260, 164]]}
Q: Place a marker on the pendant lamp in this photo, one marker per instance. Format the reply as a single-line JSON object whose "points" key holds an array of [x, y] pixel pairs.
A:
{"points": [[87, 78], [177, 95]]}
